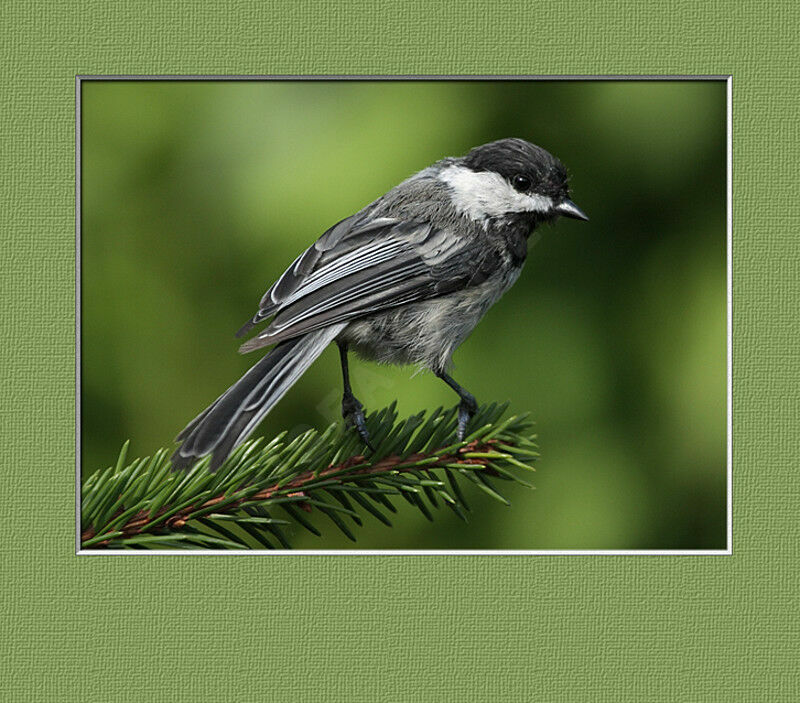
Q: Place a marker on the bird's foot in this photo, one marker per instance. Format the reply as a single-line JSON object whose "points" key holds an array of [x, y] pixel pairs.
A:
{"points": [[466, 409], [353, 413]]}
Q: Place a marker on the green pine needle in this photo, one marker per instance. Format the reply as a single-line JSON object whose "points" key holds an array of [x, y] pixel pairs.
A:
{"points": [[143, 505]]}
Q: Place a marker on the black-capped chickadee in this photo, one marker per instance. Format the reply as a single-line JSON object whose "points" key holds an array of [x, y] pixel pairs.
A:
{"points": [[403, 281]]}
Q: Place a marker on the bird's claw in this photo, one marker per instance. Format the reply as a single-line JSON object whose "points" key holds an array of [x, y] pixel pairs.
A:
{"points": [[360, 423], [353, 413], [466, 409]]}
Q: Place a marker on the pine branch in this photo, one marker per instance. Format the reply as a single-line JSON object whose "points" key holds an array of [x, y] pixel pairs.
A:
{"points": [[143, 504]]}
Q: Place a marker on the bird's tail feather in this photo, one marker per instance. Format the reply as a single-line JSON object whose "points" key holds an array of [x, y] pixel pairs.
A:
{"points": [[230, 419]]}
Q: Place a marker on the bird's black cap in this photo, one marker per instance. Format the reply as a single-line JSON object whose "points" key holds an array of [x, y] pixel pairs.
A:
{"points": [[513, 156]]}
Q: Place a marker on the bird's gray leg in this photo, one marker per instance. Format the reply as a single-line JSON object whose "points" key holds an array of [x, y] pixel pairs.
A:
{"points": [[466, 408], [352, 410]]}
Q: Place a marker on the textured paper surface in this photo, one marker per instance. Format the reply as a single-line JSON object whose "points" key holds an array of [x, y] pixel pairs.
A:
{"points": [[360, 628]]}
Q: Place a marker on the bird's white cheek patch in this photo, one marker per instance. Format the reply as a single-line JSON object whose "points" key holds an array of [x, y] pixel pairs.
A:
{"points": [[486, 194]]}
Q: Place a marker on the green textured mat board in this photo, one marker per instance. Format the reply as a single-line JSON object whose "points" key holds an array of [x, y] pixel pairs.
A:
{"points": [[566, 628]]}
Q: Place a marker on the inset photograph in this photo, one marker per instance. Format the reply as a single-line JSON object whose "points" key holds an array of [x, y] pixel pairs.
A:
{"points": [[427, 316]]}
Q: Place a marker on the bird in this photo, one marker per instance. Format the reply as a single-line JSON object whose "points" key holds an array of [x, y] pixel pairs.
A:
{"points": [[402, 281]]}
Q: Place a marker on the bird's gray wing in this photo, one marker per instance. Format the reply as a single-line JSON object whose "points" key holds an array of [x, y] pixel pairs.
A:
{"points": [[310, 267], [362, 266]]}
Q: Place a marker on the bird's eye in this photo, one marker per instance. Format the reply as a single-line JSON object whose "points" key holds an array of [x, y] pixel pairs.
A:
{"points": [[521, 183]]}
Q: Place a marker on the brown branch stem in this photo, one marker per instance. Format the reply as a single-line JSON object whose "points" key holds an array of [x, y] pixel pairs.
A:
{"points": [[140, 522]]}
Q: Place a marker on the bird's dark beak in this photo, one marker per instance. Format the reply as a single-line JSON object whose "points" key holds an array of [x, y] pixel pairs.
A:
{"points": [[569, 209]]}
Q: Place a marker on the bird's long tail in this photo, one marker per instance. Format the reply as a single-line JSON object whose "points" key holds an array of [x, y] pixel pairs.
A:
{"points": [[230, 419]]}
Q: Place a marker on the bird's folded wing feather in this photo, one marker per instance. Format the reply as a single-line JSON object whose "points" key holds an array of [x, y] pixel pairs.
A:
{"points": [[356, 269]]}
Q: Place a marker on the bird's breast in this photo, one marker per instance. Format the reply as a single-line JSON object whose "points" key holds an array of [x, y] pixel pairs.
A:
{"points": [[426, 332]]}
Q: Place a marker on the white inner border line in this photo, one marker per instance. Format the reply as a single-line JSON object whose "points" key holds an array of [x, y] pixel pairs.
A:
{"points": [[414, 552], [399, 77], [78, 316], [729, 277], [79, 79]]}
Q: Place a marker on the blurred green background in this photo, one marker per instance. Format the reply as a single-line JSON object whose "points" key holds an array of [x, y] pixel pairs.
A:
{"points": [[197, 195]]}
